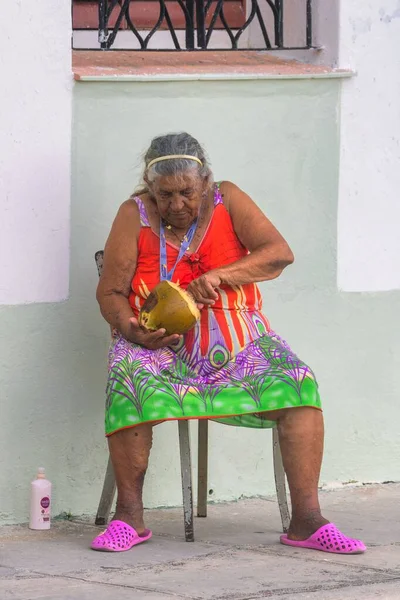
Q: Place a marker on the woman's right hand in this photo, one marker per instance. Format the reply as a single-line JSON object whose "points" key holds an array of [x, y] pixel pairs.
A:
{"points": [[152, 340]]}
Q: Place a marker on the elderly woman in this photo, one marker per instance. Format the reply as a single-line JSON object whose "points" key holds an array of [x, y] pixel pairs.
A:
{"points": [[214, 241]]}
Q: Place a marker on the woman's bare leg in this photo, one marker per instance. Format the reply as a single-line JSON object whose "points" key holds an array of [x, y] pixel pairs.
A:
{"points": [[129, 451], [301, 437]]}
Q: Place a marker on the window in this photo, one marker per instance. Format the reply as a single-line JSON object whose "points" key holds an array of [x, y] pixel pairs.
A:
{"points": [[192, 24], [144, 14]]}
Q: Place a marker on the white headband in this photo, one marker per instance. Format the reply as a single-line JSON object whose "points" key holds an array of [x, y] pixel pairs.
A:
{"points": [[172, 156]]}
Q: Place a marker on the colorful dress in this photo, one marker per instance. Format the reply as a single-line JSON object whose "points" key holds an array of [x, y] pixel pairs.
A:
{"points": [[230, 368]]}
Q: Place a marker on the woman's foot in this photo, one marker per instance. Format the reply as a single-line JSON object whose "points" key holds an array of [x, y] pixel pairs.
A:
{"points": [[130, 519], [301, 528]]}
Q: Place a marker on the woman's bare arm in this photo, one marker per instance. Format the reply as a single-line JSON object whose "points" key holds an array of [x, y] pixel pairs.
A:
{"points": [[269, 252], [120, 258], [119, 266]]}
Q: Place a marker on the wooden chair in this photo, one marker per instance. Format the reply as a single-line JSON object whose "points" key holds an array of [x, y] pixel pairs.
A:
{"points": [[109, 486]]}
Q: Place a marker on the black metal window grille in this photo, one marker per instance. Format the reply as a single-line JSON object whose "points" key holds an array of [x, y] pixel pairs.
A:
{"points": [[202, 18]]}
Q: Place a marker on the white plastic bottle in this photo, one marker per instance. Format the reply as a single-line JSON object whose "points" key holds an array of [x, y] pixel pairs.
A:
{"points": [[40, 502]]}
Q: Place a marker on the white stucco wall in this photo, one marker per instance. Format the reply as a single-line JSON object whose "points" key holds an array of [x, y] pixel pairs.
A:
{"points": [[35, 147], [369, 206]]}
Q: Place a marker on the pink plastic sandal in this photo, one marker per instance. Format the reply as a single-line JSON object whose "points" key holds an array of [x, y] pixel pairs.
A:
{"points": [[328, 538], [119, 537]]}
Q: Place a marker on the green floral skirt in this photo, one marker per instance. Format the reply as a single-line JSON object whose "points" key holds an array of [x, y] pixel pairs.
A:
{"points": [[147, 386]]}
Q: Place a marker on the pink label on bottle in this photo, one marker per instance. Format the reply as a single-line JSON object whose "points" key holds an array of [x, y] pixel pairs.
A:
{"points": [[45, 502]]}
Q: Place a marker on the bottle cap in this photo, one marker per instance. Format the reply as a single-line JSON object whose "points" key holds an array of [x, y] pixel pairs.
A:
{"points": [[41, 473]]}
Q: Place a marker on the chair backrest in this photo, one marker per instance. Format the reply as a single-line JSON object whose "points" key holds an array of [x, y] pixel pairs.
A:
{"points": [[98, 257]]}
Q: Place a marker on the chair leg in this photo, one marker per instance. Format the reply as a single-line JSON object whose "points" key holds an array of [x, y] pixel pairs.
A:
{"points": [[107, 496], [202, 468], [280, 481], [186, 473]]}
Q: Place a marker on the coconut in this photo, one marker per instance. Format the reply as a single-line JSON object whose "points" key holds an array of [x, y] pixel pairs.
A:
{"points": [[169, 307]]}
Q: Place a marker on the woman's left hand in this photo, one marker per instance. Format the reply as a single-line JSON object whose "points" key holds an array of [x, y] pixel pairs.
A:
{"points": [[203, 289]]}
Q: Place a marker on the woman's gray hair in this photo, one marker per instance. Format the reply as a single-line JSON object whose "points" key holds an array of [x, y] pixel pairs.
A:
{"points": [[176, 143]]}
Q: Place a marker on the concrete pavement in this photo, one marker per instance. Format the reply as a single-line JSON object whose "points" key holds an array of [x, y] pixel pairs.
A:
{"points": [[236, 556]]}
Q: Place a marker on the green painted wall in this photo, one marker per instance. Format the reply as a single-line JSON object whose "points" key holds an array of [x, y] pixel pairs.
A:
{"points": [[279, 141]]}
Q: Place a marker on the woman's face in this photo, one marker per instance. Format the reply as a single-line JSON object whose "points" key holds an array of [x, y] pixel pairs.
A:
{"points": [[178, 197]]}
